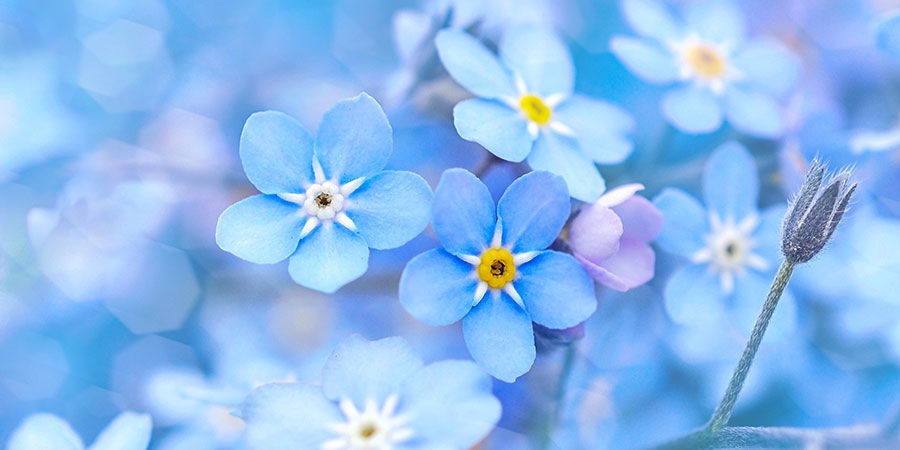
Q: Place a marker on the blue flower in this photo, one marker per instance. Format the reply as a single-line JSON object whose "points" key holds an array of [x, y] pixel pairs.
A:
{"points": [[323, 204], [526, 107], [42, 431], [375, 394], [503, 254], [732, 247], [716, 70]]}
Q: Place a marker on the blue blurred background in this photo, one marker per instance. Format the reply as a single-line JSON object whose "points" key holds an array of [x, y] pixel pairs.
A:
{"points": [[119, 127]]}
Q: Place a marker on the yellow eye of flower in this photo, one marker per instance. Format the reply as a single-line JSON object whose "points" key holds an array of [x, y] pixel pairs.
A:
{"points": [[535, 109], [705, 60], [496, 267]]}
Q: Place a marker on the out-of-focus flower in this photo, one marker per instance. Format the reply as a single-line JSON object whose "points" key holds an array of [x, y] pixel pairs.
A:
{"points": [[526, 107], [717, 71], [375, 394], [503, 254], [815, 214], [731, 246], [323, 204], [42, 431], [611, 238]]}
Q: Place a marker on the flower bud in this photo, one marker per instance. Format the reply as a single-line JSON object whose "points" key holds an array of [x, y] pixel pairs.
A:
{"points": [[815, 213]]}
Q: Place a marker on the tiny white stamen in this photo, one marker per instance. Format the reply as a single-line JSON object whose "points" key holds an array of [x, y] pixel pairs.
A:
{"points": [[498, 235], [318, 173], [471, 259], [309, 226], [533, 129], [480, 290], [561, 128], [522, 258], [293, 198], [345, 220], [520, 85], [511, 291], [553, 100], [349, 187]]}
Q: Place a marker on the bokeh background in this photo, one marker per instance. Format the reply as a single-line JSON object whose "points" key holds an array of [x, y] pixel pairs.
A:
{"points": [[119, 127]]}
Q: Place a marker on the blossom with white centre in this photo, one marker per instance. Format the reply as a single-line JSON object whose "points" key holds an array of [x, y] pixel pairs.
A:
{"points": [[729, 249], [369, 429], [495, 269], [538, 110], [706, 63], [324, 200]]}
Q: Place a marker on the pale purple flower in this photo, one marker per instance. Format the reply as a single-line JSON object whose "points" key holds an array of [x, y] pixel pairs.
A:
{"points": [[611, 237]]}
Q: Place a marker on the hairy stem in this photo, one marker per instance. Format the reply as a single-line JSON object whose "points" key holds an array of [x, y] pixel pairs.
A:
{"points": [[857, 436], [726, 406]]}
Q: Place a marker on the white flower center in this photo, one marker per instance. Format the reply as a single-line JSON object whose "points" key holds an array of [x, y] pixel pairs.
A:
{"points": [[729, 249], [369, 429], [325, 200], [706, 63]]}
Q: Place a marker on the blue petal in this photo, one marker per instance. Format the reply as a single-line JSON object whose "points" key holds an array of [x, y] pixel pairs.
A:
{"points": [[497, 127], [450, 403], [600, 128], [694, 298], [540, 57], [719, 21], [685, 222], [437, 288], [330, 257], [652, 18], [44, 431], [749, 294], [645, 59], [462, 213], [262, 229], [129, 431], [888, 35], [692, 109], [472, 65], [768, 235], [354, 139], [288, 416], [390, 208], [276, 152], [533, 210], [753, 112], [768, 64], [562, 156], [363, 370], [556, 290], [499, 337], [730, 183]]}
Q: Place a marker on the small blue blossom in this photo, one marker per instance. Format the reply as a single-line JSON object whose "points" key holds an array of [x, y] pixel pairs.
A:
{"points": [[732, 247], [323, 203], [42, 431], [527, 110], [717, 71], [375, 395], [502, 253]]}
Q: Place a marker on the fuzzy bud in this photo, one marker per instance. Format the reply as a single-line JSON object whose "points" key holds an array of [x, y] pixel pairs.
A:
{"points": [[815, 213]]}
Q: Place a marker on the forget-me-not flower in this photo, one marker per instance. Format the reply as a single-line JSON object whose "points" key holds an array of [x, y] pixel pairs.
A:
{"points": [[42, 431], [526, 107], [323, 204], [493, 272], [732, 247], [716, 70], [375, 395]]}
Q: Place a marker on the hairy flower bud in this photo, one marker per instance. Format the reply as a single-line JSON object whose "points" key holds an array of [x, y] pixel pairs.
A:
{"points": [[815, 213]]}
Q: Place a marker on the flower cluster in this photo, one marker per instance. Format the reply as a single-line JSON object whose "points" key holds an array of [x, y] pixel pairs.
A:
{"points": [[505, 224]]}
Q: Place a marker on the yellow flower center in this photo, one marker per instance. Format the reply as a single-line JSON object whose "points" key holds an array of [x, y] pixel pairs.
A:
{"points": [[705, 60], [535, 109], [496, 267]]}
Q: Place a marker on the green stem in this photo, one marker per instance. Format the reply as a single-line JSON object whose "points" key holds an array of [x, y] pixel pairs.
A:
{"points": [[726, 406]]}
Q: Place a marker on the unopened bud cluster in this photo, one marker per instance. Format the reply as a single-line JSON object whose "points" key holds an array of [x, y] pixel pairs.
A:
{"points": [[815, 213]]}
